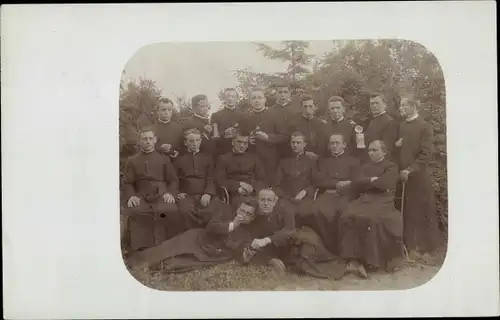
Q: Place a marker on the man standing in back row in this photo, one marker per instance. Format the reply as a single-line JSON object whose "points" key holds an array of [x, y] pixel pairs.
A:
{"points": [[287, 111], [382, 126], [227, 121], [311, 126], [268, 131], [338, 124], [200, 120], [421, 232]]}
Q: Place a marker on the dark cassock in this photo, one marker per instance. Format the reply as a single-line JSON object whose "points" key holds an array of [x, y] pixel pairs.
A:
{"points": [[149, 176], [195, 172], [421, 232], [271, 123], [332, 199], [381, 127], [300, 249], [225, 119], [371, 228], [195, 248], [314, 130], [294, 174], [286, 114], [233, 168], [168, 133], [208, 145], [344, 127], [278, 226]]}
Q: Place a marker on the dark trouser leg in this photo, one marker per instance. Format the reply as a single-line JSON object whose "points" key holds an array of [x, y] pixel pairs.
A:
{"points": [[141, 226], [169, 222], [187, 209]]}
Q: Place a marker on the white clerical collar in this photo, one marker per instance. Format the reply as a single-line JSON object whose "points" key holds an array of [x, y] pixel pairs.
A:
{"points": [[338, 119], [236, 152], [376, 115], [160, 120], [415, 116], [229, 108], [308, 118], [144, 151], [259, 110], [194, 152], [336, 155], [379, 160], [283, 104], [201, 117]]}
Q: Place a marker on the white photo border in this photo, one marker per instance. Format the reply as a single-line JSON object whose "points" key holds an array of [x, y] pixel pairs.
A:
{"points": [[61, 67]]}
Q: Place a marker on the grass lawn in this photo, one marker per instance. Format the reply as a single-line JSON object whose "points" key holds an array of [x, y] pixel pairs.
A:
{"points": [[233, 277]]}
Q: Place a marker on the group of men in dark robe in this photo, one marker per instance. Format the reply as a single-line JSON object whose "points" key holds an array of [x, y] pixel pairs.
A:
{"points": [[279, 185]]}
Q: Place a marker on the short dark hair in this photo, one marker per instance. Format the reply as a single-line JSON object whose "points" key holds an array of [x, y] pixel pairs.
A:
{"points": [[242, 132], [306, 97], [231, 89], [336, 98], [251, 201], [282, 84], [258, 89], [298, 134], [196, 99], [146, 128], [165, 100], [336, 134], [373, 95], [191, 131]]}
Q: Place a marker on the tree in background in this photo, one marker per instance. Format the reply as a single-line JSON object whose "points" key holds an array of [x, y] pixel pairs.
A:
{"points": [[294, 52], [137, 103]]}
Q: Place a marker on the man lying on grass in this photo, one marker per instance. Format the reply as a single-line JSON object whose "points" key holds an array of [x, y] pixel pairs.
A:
{"points": [[259, 232]]}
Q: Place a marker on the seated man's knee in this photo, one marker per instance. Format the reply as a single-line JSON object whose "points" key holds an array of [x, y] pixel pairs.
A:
{"points": [[167, 208]]}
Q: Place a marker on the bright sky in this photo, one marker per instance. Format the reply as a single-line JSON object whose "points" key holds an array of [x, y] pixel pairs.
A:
{"points": [[193, 68]]}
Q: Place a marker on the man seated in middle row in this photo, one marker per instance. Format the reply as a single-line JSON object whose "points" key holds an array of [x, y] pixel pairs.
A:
{"points": [[294, 179], [195, 170], [333, 179], [239, 171]]}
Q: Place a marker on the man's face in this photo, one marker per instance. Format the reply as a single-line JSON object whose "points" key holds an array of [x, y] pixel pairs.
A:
{"points": [[240, 144], [298, 144], [245, 212], [405, 109], [336, 144], [267, 200], [147, 140], [336, 110], [377, 106], [283, 94], [375, 151], [193, 142], [230, 98], [258, 100], [165, 111], [308, 108], [203, 108]]}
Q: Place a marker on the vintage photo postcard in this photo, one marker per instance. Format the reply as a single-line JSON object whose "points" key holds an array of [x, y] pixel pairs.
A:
{"points": [[289, 165], [250, 160]]}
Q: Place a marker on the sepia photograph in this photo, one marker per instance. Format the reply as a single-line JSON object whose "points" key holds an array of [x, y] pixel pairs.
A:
{"points": [[250, 160], [283, 165]]}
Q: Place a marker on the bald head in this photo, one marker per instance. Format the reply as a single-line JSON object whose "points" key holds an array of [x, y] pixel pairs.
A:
{"points": [[267, 199], [377, 150]]}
